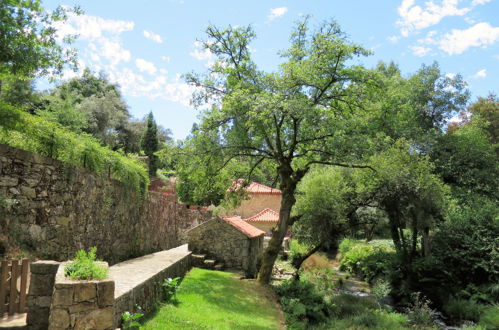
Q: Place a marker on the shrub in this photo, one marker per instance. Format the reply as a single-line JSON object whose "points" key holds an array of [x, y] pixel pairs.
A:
{"points": [[490, 317], [130, 320], [84, 266], [346, 245], [170, 286], [460, 310], [369, 261], [371, 319], [420, 314], [301, 302]]}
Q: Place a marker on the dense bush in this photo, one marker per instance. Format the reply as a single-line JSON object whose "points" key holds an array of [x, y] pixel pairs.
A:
{"points": [[368, 260], [35, 134], [302, 303]]}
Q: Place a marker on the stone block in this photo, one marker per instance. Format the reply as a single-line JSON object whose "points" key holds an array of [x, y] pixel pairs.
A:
{"points": [[41, 285], [63, 296], [44, 267], [28, 191], [7, 181], [105, 293], [98, 319], [82, 307], [85, 292], [38, 318], [59, 318]]}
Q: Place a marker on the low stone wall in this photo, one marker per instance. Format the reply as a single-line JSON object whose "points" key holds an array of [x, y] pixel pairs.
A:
{"points": [[150, 290], [40, 292], [52, 209], [81, 304]]}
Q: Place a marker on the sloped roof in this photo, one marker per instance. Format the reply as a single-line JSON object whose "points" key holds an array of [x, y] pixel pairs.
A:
{"points": [[244, 227], [255, 188], [265, 215]]}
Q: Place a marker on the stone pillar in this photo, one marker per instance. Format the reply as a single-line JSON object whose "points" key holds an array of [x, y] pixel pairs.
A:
{"points": [[40, 293], [81, 304]]}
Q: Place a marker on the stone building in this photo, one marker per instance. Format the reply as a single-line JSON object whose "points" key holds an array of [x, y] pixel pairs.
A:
{"points": [[230, 240], [261, 206]]}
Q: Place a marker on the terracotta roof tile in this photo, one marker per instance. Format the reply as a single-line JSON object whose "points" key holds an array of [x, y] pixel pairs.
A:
{"points": [[243, 227], [265, 215], [256, 188]]}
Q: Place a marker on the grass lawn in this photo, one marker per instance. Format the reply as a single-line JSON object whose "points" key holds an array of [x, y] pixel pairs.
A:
{"points": [[209, 299]]}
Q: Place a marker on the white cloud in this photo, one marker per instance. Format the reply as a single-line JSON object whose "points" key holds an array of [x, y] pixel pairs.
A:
{"points": [[479, 35], [479, 2], [201, 53], [145, 66], [91, 27], [450, 75], [277, 12], [420, 50], [166, 58], [113, 51], [393, 39], [153, 36], [414, 17], [480, 74]]}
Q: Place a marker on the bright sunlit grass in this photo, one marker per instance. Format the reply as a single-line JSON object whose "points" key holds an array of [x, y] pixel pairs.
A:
{"points": [[218, 300]]}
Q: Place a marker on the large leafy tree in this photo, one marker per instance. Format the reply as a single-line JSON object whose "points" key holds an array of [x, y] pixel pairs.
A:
{"points": [[28, 42], [303, 114]]}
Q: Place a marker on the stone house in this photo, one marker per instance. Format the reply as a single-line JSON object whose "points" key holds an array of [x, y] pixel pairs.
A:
{"points": [[230, 240], [261, 207]]}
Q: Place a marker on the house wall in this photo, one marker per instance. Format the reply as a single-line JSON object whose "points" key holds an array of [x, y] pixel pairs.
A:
{"points": [[51, 209], [221, 241], [256, 203], [265, 226]]}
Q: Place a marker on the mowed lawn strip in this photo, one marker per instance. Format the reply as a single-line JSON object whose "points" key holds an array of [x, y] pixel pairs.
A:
{"points": [[218, 300]]}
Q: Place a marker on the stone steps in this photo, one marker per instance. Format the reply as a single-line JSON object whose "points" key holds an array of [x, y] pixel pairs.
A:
{"points": [[200, 260]]}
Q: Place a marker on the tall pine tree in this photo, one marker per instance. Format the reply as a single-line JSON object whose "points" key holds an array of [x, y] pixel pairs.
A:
{"points": [[150, 144]]}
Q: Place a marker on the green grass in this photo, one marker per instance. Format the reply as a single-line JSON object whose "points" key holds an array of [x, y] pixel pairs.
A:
{"points": [[218, 300]]}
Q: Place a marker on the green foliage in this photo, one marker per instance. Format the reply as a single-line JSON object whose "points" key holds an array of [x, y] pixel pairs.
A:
{"points": [[170, 286], [35, 134], [368, 260], [419, 312], [130, 320], [302, 303], [371, 319], [467, 160], [29, 42], [84, 266], [490, 318], [150, 144], [346, 245], [461, 309]]}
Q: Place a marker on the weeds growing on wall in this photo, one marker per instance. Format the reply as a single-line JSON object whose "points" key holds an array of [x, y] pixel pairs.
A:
{"points": [[35, 134], [84, 266]]}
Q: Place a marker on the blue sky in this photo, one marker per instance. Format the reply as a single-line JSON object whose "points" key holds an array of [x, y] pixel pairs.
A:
{"points": [[146, 46]]}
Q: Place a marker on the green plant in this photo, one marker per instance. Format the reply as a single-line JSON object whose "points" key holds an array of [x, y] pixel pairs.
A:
{"points": [[419, 312], [381, 289], [84, 266], [170, 286], [490, 317], [346, 245], [302, 302], [461, 309], [130, 320]]}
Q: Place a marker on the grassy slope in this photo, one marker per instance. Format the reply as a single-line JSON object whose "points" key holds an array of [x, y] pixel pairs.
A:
{"points": [[218, 300]]}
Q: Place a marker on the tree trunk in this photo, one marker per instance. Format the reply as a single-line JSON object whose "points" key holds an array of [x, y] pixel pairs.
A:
{"points": [[288, 187], [297, 263]]}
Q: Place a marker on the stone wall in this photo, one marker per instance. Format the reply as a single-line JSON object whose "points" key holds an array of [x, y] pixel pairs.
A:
{"points": [[226, 244], [256, 203], [81, 304], [150, 291], [40, 293], [51, 209]]}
